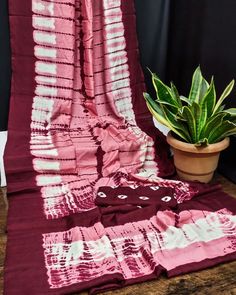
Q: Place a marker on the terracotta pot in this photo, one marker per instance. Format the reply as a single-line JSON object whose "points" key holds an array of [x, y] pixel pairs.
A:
{"points": [[196, 163]]}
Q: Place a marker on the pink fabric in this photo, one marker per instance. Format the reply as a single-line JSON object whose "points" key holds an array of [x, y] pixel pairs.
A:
{"points": [[127, 250], [92, 205]]}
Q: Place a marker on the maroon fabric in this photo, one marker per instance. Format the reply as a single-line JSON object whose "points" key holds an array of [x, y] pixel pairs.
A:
{"points": [[90, 205], [25, 250]]}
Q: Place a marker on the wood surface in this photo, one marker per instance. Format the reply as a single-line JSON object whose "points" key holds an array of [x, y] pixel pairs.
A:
{"points": [[216, 280]]}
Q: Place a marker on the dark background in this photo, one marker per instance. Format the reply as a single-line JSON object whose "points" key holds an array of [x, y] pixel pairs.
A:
{"points": [[5, 64], [174, 38]]}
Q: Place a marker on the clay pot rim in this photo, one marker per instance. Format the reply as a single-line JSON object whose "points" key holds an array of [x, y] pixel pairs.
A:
{"points": [[191, 148]]}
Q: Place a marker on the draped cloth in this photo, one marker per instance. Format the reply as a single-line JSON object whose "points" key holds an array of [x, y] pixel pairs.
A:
{"points": [[91, 202]]}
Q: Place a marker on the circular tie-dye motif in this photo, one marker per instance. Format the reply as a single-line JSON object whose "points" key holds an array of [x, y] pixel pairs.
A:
{"points": [[166, 199], [143, 198], [155, 188], [122, 197], [102, 195]]}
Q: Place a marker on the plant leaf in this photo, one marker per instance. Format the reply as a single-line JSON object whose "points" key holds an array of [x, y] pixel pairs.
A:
{"points": [[231, 111], [161, 117], [221, 131], [198, 119], [209, 99], [163, 92], [177, 124], [188, 115], [185, 99], [225, 93], [152, 103], [200, 116], [221, 108], [202, 120], [155, 109], [165, 122], [212, 123], [175, 94], [196, 85], [204, 88], [202, 142], [173, 108]]}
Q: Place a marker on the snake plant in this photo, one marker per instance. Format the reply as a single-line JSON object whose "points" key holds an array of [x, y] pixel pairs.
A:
{"points": [[199, 119]]}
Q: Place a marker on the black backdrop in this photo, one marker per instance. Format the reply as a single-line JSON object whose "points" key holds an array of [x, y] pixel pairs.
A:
{"points": [[174, 37], [5, 64]]}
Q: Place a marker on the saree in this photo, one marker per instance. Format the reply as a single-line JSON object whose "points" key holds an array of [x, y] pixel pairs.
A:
{"points": [[93, 204]]}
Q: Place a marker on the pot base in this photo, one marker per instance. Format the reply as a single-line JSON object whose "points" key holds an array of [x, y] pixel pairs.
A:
{"points": [[194, 166], [205, 178]]}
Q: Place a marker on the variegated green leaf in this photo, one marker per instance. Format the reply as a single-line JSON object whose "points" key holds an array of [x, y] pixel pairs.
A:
{"points": [[221, 108], [202, 120], [198, 119], [200, 116], [211, 123], [204, 88], [163, 92], [220, 131], [225, 93], [202, 142], [177, 124], [161, 119], [188, 115], [209, 99], [167, 120], [185, 99], [231, 111], [153, 104], [173, 108], [196, 85], [175, 94]]}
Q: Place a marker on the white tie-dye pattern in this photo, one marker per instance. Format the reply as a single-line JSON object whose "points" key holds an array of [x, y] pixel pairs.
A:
{"points": [[42, 146], [45, 104], [44, 152], [66, 251], [45, 52], [116, 48], [45, 68], [55, 191], [40, 138], [43, 22], [47, 91], [43, 165], [43, 7], [44, 38], [40, 116], [113, 18], [119, 72], [43, 180], [45, 80]]}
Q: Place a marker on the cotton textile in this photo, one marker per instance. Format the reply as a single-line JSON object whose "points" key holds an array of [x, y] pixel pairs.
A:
{"points": [[90, 205]]}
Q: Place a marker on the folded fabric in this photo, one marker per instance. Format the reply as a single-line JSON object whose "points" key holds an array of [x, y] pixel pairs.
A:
{"points": [[139, 196]]}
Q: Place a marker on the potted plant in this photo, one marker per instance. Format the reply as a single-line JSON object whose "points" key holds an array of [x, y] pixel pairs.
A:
{"points": [[199, 124]]}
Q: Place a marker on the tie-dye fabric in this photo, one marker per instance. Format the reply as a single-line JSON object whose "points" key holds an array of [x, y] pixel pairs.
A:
{"points": [[90, 205]]}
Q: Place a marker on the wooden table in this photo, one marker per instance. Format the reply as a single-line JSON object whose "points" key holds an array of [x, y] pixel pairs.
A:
{"points": [[216, 280]]}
